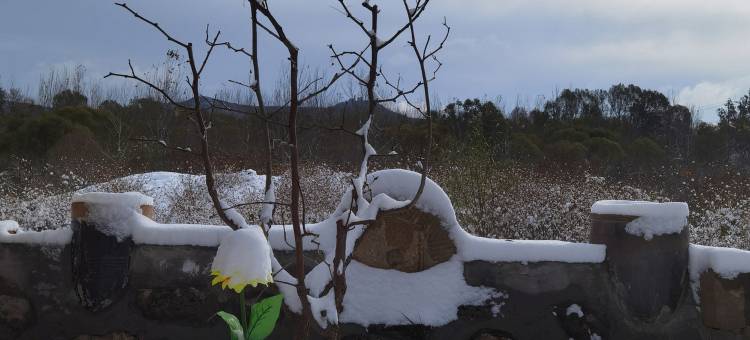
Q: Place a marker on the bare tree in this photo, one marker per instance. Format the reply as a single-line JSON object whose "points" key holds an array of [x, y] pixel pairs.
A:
{"points": [[297, 95], [423, 56], [202, 124]]}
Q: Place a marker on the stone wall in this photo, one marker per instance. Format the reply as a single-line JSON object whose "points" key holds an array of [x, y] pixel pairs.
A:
{"points": [[640, 291], [169, 297]]}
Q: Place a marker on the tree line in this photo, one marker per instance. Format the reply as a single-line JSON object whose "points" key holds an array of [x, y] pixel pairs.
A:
{"points": [[624, 127]]}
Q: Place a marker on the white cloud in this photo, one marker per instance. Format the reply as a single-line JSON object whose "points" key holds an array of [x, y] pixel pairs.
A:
{"points": [[708, 96]]}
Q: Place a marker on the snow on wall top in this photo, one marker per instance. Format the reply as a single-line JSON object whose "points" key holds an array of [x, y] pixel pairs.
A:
{"points": [[726, 262], [11, 233], [473, 248], [640, 208], [128, 199], [653, 218], [146, 231]]}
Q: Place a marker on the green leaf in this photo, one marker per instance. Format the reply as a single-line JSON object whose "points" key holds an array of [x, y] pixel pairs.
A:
{"points": [[263, 317], [235, 328]]}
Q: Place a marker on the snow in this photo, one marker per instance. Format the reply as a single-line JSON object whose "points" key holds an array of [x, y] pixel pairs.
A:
{"points": [[574, 309], [430, 297], [640, 208], [726, 262], [653, 218], [478, 248], [128, 199], [266, 212], [378, 42], [11, 233], [324, 309], [190, 267], [146, 231], [177, 198], [119, 218], [648, 226], [390, 297], [394, 188]]}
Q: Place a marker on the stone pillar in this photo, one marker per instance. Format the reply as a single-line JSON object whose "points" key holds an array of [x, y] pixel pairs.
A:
{"points": [[101, 247], [647, 253]]}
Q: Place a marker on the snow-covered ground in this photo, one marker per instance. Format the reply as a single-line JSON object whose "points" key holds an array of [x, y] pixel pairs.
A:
{"points": [[178, 198], [497, 203]]}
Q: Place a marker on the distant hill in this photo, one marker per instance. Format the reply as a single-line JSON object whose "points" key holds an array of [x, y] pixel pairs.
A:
{"points": [[354, 109]]}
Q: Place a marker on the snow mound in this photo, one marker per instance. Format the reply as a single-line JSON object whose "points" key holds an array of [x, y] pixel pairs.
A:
{"points": [[391, 297]]}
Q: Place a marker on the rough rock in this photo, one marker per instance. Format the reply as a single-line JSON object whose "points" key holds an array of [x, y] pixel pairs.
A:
{"points": [[408, 240], [722, 302]]}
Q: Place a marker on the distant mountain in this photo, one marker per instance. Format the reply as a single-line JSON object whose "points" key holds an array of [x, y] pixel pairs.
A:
{"points": [[355, 109]]}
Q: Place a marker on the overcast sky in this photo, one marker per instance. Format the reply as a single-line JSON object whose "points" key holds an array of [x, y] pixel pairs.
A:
{"points": [[695, 51]]}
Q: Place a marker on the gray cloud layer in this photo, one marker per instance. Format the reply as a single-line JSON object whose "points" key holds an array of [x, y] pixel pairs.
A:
{"points": [[695, 50]]}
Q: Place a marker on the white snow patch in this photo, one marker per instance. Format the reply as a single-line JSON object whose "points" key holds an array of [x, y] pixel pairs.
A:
{"points": [[574, 309], [479, 248], [653, 218], [132, 200], [640, 208], [11, 233], [190, 267], [650, 226], [726, 262], [390, 297], [266, 212], [146, 231]]}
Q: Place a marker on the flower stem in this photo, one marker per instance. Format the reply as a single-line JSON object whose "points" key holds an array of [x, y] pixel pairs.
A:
{"points": [[243, 312]]}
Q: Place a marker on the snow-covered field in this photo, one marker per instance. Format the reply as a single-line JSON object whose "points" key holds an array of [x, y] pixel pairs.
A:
{"points": [[499, 203], [182, 198]]}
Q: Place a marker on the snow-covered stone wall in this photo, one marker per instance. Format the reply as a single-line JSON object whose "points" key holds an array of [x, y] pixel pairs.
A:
{"points": [[468, 289]]}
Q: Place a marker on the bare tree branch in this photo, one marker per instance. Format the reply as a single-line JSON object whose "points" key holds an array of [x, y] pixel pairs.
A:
{"points": [[156, 25], [132, 75]]}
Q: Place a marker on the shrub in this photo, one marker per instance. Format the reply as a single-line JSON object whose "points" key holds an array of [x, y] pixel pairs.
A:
{"points": [[603, 149], [68, 98], [522, 148], [566, 152], [569, 134], [645, 152]]}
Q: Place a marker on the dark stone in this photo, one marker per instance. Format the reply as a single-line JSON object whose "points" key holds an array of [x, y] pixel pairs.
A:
{"points": [[648, 275], [491, 334], [578, 327], [722, 302], [180, 266], [176, 304], [110, 336], [15, 312]]}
